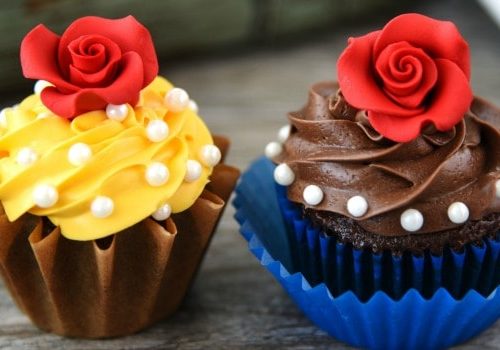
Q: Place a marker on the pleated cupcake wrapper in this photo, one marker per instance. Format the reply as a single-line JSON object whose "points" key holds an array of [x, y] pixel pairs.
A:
{"points": [[366, 299], [114, 286], [341, 267]]}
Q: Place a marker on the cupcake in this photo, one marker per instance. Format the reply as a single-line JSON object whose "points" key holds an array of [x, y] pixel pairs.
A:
{"points": [[386, 194], [111, 185]]}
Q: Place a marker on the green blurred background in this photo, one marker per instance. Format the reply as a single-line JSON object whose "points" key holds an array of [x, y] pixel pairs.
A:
{"points": [[190, 31], [187, 29]]}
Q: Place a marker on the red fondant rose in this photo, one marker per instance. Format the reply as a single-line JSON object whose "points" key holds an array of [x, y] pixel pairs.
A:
{"points": [[95, 62], [413, 72]]}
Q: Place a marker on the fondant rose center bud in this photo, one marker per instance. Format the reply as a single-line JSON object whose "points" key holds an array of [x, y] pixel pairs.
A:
{"points": [[94, 60], [407, 74]]}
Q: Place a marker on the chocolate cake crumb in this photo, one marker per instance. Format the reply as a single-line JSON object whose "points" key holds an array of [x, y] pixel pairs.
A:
{"points": [[347, 230]]}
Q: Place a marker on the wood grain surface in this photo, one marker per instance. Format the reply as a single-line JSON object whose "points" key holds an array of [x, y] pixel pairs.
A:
{"points": [[234, 302]]}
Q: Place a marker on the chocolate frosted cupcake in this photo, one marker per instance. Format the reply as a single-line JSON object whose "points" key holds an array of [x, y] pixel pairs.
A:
{"points": [[111, 185], [435, 191], [382, 200]]}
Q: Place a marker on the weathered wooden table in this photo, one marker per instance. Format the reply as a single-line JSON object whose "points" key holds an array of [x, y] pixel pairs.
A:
{"points": [[234, 302]]}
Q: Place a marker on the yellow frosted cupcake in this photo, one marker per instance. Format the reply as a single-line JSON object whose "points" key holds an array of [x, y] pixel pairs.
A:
{"points": [[110, 183]]}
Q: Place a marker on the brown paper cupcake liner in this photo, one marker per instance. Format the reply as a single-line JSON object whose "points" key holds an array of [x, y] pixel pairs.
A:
{"points": [[113, 286]]}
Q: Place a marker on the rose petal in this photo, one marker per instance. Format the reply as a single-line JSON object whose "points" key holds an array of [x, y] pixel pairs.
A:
{"points": [[100, 78], [127, 33], [125, 89], [452, 85], [406, 87], [357, 82], [38, 49], [439, 39]]}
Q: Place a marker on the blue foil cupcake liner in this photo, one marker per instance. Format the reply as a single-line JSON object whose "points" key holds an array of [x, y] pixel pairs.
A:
{"points": [[321, 258], [375, 301]]}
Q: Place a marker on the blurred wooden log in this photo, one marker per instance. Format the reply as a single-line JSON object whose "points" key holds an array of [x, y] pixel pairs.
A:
{"points": [[178, 27]]}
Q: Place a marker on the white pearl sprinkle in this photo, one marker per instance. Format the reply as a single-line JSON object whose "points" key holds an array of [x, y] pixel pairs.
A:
{"points": [[117, 112], [284, 133], [313, 195], [45, 196], [412, 220], [193, 170], [43, 115], [193, 106], [284, 175], [79, 154], [210, 155], [157, 130], [102, 207], [497, 185], [26, 156], [3, 118], [40, 85], [162, 213], [357, 206], [177, 100], [157, 174], [458, 212], [273, 149]]}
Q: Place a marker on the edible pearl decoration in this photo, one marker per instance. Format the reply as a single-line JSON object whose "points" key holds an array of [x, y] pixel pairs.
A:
{"points": [[458, 213], [497, 185], [117, 112], [284, 133], [45, 196], [193, 106], [210, 155], [412, 220], [273, 149], [162, 213], [284, 175], [157, 130], [357, 206], [157, 174], [102, 207], [26, 156], [40, 85], [79, 154], [177, 100], [313, 195], [3, 118], [193, 170]]}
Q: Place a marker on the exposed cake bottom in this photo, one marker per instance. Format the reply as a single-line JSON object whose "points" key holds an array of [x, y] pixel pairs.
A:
{"points": [[347, 230]]}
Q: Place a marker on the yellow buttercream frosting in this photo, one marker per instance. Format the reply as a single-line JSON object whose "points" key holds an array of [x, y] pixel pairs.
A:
{"points": [[34, 147]]}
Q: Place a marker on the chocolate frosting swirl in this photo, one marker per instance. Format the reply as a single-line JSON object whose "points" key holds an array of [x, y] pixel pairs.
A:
{"points": [[332, 145]]}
